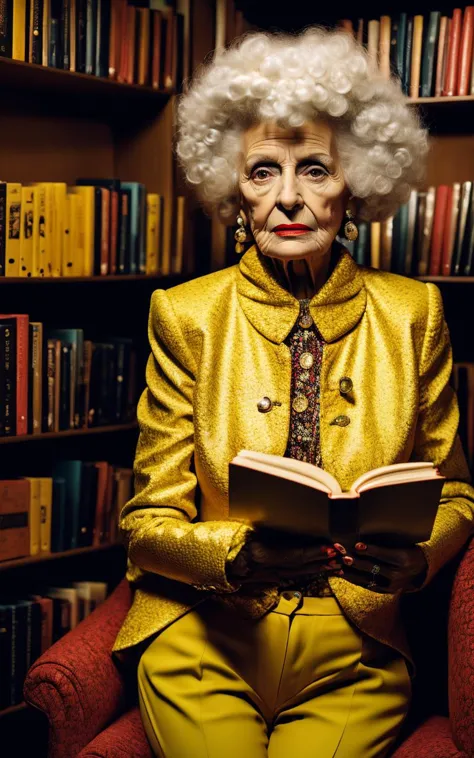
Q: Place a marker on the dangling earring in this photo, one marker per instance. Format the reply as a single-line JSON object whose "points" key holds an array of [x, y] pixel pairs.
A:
{"points": [[240, 235], [351, 231]]}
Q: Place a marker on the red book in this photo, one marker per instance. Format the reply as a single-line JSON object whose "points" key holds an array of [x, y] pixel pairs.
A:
{"points": [[131, 44], [465, 53], [442, 194], [440, 60], [22, 338], [124, 43], [453, 53], [448, 233], [156, 49]]}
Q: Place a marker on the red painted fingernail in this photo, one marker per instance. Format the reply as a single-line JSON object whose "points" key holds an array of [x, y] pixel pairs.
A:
{"points": [[360, 546], [340, 547], [331, 552], [348, 560], [334, 564], [340, 573]]}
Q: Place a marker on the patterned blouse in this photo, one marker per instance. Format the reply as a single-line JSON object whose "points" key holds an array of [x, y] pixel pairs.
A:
{"points": [[306, 348]]}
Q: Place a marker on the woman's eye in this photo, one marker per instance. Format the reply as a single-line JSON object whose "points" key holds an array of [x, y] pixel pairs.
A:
{"points": [[261, 174], [315, 172]]}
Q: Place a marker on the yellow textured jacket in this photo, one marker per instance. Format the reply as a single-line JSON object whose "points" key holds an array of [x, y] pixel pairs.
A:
{"points": [[217, 349]]}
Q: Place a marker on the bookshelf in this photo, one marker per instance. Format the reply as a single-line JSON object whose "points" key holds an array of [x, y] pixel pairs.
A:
{"points": [[35, 559]]}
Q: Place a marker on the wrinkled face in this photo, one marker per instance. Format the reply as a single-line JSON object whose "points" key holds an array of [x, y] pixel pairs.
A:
{"points": [[293, 190]]}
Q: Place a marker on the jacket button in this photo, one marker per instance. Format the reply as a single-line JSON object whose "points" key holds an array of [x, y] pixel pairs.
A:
{"points": [[306, 360], [340, 421], [300, 403], [264, 405], [305, 321], [345, 385]]}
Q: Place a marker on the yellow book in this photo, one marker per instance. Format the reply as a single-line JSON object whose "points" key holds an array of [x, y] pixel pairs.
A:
{"points": [[416, 50], [375, 244], [13, 223], [19, 30], [36, 231], [34, 514], [59, 217], [27, 262], [88, 199], [46, 508], [153, 221], [45, 203], [79, 252], [373, 38]]}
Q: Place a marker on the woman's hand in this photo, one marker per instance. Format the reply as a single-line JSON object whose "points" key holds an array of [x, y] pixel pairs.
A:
{"points": [[269, 558], [384, 569]]}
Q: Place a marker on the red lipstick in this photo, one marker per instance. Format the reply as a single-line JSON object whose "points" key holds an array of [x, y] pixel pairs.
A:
{"points": [[291, 230]]}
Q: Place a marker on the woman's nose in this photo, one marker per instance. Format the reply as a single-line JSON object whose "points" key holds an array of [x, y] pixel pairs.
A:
{"points": [[290, 196]]}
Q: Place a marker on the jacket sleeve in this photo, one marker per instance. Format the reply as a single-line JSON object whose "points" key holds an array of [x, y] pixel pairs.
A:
{"points": [[437, 441], [157, 523]]}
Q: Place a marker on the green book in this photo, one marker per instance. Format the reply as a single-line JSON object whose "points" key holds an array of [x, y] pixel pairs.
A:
{"points": [[362, 248], [430, 44], [407, 60], [399, 239]]}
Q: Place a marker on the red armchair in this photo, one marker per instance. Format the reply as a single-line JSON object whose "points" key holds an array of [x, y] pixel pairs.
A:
{"points": [[91, 706]]}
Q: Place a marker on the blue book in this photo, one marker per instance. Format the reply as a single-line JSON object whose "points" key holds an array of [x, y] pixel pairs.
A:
{"points": [[137, 213], [91, 35], [71, 471], [430, 44]]}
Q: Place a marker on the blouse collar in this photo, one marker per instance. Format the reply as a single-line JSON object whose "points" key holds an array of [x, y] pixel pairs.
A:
{"points": [[272, 310]]}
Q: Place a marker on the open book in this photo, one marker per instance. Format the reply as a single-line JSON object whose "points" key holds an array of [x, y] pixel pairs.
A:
{"points": [[393, 505]]}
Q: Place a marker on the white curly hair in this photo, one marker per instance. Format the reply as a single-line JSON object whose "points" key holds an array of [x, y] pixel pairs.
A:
{"points": [[290, 79]]}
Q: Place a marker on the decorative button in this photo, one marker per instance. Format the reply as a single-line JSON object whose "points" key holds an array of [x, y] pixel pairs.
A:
{"points": [[300, 403], [340, 421], [345, 385], [306, 321], [306, 360], [264, 405]]}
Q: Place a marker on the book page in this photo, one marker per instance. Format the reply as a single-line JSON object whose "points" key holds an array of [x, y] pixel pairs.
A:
{"points": [[396, 473], [291, 465]]}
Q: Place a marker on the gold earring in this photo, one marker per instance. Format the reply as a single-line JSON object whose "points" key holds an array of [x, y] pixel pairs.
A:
{"points": [[240, 235], [351, 231]]}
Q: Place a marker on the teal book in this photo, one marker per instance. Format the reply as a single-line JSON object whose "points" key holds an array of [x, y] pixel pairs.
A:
{"points": [[58, 520], [71, 471], [137, 213], [407, 61], [399, 239], [430, 46], [400, 46]]}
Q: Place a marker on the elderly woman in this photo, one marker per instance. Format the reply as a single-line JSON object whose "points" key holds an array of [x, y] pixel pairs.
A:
{"points": [[252, 646]]}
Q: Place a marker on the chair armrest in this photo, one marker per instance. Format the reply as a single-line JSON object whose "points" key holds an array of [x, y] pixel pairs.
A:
{"points": [[461, 653], [123, 738], [433, 739], [76, 682]]}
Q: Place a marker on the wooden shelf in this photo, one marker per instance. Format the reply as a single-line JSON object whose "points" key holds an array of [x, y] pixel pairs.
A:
{"points": [[18, 76], [171, 278], [32, 559], [444, 100], [13, 709], [446, 279], [111, 429]]}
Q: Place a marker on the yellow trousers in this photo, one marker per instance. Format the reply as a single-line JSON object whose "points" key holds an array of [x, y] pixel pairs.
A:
{"points": [[301, 682]]}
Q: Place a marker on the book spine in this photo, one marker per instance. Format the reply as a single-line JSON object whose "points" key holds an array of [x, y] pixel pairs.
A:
{"points": [[447, 235], [9, 366], [375, 244], [44, 23], [91, 30], [22, 375], [6, 28], [50, 381], [465, 56], [124, 232], [19, 30], [65, 31], [114, 231], [37, 376], [443, 26], [72, 35], [408, 53], [81, 37], [3, 228], [453, 53], [438, 230], [400, 45], [384, 46], [26, 267], [464, 205], [13, 229], [429, 52], [65, 388], [156, 49], [105, 232], [416, 56]]}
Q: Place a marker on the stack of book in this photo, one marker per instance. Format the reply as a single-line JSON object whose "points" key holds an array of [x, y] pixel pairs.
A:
{"points": [[53, 380], [431, 235], [97, 227], [132, 42], [29, 626], [432, 55], [78, 506]]}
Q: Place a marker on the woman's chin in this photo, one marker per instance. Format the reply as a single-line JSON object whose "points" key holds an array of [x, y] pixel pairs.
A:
{"points": [[287, 248]]}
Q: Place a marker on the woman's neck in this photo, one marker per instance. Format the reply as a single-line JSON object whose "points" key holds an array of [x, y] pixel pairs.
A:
{"points": [[304, 277]]}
